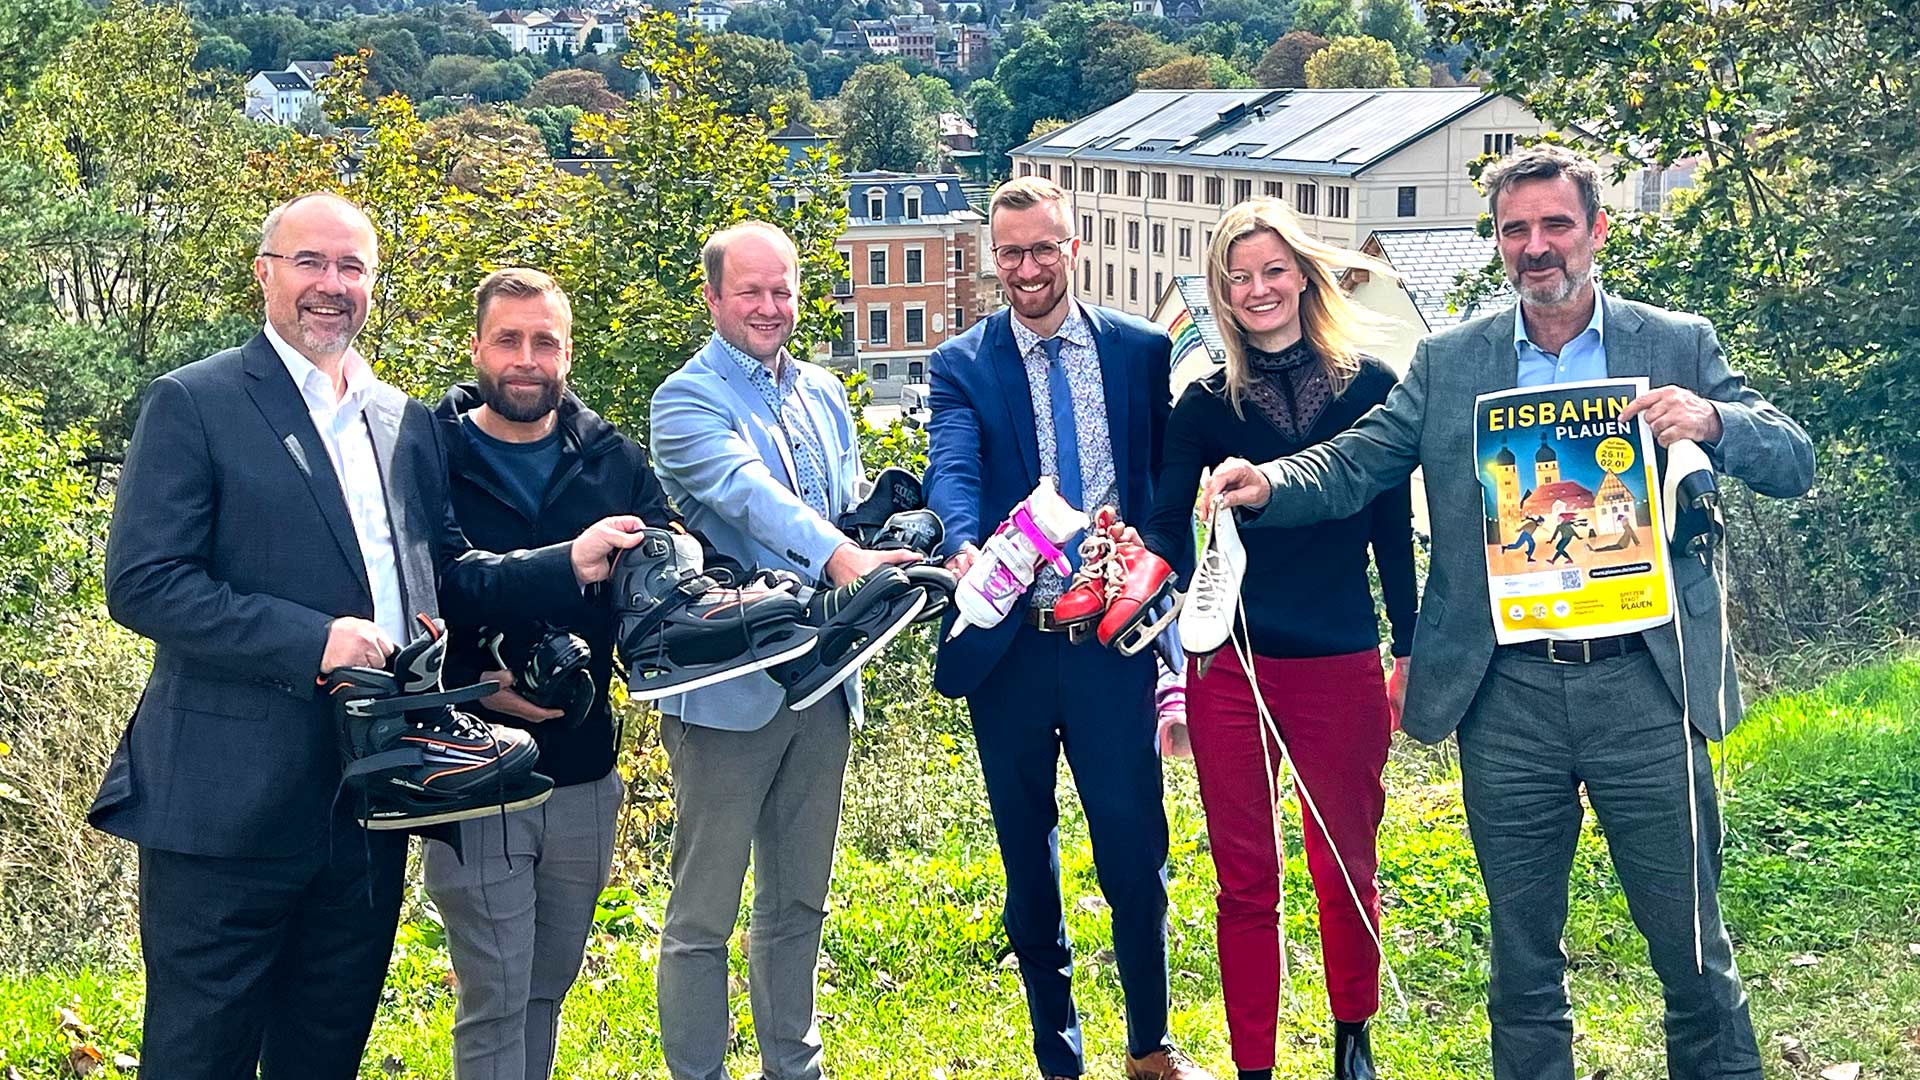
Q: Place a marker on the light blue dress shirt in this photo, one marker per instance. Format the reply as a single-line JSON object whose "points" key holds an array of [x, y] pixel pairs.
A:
{"points": [[1581, 360]]}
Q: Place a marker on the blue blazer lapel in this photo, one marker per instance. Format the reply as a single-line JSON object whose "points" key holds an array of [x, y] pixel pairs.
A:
{"points": [[1003, 364], [1117, 386], [285, 411]]}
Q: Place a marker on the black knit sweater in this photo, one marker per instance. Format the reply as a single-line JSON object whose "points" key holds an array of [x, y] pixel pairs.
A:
{"points": [[1306, 588]]}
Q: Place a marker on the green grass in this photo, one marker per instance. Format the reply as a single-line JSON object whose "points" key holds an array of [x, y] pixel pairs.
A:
{"points": [[1822, 892]]}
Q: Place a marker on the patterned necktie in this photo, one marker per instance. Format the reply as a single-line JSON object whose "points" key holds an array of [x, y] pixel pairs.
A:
{"points": [[1066, 432]]}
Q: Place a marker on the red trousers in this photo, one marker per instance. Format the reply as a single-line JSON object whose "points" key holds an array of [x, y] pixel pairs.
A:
{"points": [[1332, 712]]}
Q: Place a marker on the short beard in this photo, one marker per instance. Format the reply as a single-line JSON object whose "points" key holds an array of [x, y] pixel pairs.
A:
{"points": [[505, 406], [1554, 295]]}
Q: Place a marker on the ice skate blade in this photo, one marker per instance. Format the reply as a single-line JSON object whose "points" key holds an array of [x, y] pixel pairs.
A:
{"points": [[874, 645], [1142, 628], [446, 816], [665, 686]]}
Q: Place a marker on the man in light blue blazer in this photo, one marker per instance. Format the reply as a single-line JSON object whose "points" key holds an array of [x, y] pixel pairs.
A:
{"points": [[757, 449], [1540, 720]]}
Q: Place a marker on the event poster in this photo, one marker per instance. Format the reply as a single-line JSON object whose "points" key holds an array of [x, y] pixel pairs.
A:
{"points": [[1575, 547]]}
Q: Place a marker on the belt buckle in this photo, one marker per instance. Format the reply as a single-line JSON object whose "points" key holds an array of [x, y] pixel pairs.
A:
{"points": [[1586, 652]]}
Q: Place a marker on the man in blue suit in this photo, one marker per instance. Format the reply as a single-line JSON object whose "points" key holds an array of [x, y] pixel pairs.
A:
{"points": [[757, 449], [1079, 393]]}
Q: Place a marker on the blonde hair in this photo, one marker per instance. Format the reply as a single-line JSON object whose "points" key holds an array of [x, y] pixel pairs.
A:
{"points": [[1028, 191], [713, 254], [1338, 329], [517, 282]]}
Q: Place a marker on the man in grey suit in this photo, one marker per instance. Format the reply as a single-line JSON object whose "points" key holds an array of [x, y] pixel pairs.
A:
{"points": [[757, 449], [282, 513], [1527, 743]]}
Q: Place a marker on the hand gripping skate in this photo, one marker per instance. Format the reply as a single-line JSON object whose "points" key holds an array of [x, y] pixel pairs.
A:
{"points": [[1030, 538], [678, 629], [1116, 590], [855, 622], [920, 531], [550, 670], [1206, 614], [890, 492], [412, 758]]}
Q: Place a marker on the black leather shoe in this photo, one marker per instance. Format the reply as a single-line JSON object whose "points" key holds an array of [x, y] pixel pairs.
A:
{"points": [[1352, 1053]]}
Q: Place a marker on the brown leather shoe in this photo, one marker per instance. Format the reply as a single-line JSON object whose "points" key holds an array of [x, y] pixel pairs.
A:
{"points": [[1165, 1063]]}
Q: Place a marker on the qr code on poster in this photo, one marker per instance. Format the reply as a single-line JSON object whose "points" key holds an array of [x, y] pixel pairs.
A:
{"points": [[1569, 580]]}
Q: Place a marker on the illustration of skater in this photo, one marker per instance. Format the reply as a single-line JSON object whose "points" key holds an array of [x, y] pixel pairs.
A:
{"points": [[1628, 538], [1565, 534], [1525, 536]]}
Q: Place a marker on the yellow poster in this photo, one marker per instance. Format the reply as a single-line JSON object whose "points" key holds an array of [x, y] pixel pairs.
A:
{"points": [[1575, 545]]}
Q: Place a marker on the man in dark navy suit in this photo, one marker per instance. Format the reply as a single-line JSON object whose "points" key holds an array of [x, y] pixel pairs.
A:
{"points": [[1063, 389], [282, 513]]}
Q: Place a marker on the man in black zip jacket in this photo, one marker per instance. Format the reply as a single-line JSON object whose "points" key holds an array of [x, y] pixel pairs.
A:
{"points": [[528, 461]]}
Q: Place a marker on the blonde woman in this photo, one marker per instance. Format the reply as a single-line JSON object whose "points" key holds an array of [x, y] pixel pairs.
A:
{"points": [[1295, 375]]}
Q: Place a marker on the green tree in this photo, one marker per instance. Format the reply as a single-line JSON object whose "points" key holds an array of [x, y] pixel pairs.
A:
{"points": [[31, 32], [453, 74], [1328, 18], [753, 73], [50, 514], [937, 93], [883, 122], [1186, 73], [556, 124], [1044, 127], [992, 118], [1119, 54], [396, 63], [1285, 62], [571, 86], [1355, 61], [218, 51], [1393, 22], [502, 80]]}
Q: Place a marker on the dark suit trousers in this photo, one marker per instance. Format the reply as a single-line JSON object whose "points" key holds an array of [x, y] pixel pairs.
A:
{"points": [[1535, 734], [1044, 697], [269, 962]]}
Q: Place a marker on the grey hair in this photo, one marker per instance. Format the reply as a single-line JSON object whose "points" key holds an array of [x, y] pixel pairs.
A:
{"points": [[1543, 161], [271, 224], [713, 254]]}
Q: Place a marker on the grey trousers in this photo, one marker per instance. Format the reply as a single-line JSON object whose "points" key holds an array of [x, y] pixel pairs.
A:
{"points": [[517, 923], [771, 797], [1535, 733]]}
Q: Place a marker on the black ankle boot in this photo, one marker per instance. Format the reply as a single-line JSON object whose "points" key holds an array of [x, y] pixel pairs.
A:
{"points": [[1352, 1053]]}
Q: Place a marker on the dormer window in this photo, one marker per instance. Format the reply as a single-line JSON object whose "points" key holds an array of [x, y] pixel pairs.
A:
{"points": [[877, 203], [913, 204]]}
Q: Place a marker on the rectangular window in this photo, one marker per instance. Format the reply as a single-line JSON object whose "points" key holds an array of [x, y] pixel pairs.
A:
{"points": [[1133, 284], [1272, 189], [876, 326], [916, 271], [876, 266], [1185, 188], [1159, 234], [959, 319], [1133, 235], [1409, 201], [1066, 178], [1107, 231], [916, 326], [844, 346], [1026, 168], [1306, 199], [1086, 179], [913, 208], [1086, 275], [1159, 187], [1216, 191], [1133, 182], [876, 206], [1086, 227], [1109, 279], [1109, 181], [1339, 202], [1186, 242], [1242, 190], [843, 281], [1159, 285], [1046, 172], [1497, 143], [960, 260]]}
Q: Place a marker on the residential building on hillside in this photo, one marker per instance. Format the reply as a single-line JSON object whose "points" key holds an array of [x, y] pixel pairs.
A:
{"points": [[913, 253], [1151, 175], [280, 97]]}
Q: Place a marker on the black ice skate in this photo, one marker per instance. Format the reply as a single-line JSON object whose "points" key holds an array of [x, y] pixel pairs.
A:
{"points": [[920, 531], [411, 758], [855, 622], [894, 489], [680, 630]]}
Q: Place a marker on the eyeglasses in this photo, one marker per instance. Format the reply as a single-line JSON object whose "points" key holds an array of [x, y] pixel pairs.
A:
{"points": [[1045, 253], [352, 270]]}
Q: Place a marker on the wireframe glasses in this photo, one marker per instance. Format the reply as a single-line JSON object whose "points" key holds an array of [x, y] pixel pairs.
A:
{"points": [[352, 270], [1045, 253]]}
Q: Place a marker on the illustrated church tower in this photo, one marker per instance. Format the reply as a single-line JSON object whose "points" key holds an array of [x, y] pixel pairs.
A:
{"points": [[1506, 488], [1546, 465]]}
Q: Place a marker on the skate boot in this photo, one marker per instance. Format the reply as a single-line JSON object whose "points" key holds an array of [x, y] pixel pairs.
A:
{"points": [[855, 622], [412, 759], [890, 492], [1207, 613], [1080, 607], [920, 531], [678, 629], [1143, 607], [549, 670]]}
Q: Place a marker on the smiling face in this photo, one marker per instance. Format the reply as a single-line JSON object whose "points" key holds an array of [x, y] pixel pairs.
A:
{"points": [[318, 313], [1264, 284], [521, 354], [757, 302], [1546, 242], [1037, 293]]}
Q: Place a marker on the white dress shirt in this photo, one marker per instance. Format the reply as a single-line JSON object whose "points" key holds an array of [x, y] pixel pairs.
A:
{"points": [[343, 428]]}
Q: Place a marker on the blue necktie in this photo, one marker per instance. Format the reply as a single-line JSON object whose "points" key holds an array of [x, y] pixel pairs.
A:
{"points": [[1066, 432]]}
